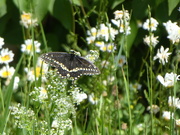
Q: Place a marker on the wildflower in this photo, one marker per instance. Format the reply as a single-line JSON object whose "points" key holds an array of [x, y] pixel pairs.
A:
{"points": [[110, 47], [23, 117], [55, 124], [99, 43], [1, 42], [60, 125], [162, 55], [155, 109], [6, 56], [92, 56], [135, 86], [167, 115], [150, 24], [174, 102], [122, 25], [178, 122], [124, 126], [16, 82], [36, 73], [120, 14], [43, 93], [169, 79], [78, 96], [93, 99], [110, 80], [92, 35], [7, 72], [173, 31], [140, 127], [105, 63], [151, 40], [107, 32], [28, 46], [27, 20], [121, 60]]}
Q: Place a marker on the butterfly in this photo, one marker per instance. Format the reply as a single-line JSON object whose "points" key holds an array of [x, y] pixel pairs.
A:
{"points": [[70, 65]]}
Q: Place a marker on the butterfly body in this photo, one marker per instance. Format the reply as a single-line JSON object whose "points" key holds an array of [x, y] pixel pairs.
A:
{"points": [[70, 65]]}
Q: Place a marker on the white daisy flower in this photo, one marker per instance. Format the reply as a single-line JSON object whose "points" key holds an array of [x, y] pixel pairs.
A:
{"points": [[28, 46], [151, 40], [155, 109], [106, 32], [93, 99], [78, 96], [6, 56], [162, 55], [150, 24], [174, 102], [32, 74], [7, 72], [169, 79], [173, 31], [167, 115], [120, 14], [108, 47], [121, 60], [1, 42], [27, 20], [122, 25]]}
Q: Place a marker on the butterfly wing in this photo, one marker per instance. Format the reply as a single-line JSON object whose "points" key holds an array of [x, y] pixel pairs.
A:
{"points": [[83, 67], [70, 65]]}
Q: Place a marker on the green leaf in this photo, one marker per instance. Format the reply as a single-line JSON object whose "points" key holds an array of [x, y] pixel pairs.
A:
{"points": [[62, 10], [23, 5], [172, 4], [40, 8], [132, 36], [2, 7], [116, 3]]}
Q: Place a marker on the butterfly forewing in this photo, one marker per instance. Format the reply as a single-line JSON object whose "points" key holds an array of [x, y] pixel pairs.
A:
{"points": [[70, 65]]}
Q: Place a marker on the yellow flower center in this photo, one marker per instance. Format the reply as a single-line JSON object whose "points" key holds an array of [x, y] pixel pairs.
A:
{"points": [[38, 71], [120, 61], [5, 58], [29, 47], [43, 91], [99, 43], [93, 34], [6, 74], [26, 17], [110, 47], [104, 48]]}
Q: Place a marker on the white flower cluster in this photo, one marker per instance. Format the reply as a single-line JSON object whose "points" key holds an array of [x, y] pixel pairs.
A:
{"points": [[121, 20], [103, 35], [7, 71], [174, 102], [24, 118]]}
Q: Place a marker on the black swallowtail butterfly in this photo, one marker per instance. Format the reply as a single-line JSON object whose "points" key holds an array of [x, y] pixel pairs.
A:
{"points": [[70, 65]]}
